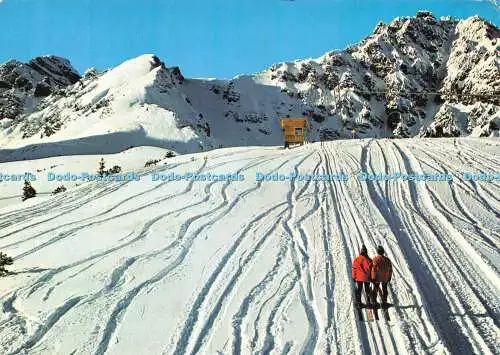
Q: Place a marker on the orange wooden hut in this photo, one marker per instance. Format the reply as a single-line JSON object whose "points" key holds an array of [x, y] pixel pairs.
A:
{"points": [[295, 130]]}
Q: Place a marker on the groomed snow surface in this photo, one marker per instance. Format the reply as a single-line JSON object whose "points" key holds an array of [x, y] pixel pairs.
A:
{"points": [[260, 267]]}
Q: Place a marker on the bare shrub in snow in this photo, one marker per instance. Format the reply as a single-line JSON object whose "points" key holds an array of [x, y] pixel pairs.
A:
{"points": [[102, 167], [151, 162], [28, 191], [59, 189], [4, 261]]}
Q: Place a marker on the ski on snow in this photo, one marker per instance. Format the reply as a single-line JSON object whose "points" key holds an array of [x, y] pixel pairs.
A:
{"points": [[375, 312], [372, 313], [369, 313], [358, 311], [385, 312], [369, 309]]}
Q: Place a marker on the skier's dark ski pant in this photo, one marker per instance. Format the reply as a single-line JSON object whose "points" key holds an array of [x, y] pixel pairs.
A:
{"points": [[359, 291], [376, 289]]}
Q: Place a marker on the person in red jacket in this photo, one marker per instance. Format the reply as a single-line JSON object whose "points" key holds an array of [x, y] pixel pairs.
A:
{"points": [[361, 269], [381, 274]]}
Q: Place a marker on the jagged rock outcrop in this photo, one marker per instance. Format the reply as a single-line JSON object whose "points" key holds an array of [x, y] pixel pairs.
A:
{"points": [[23, 85], [412, 69]]}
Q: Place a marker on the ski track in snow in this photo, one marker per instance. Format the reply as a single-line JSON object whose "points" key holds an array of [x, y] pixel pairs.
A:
{"points": [[258, 267]]}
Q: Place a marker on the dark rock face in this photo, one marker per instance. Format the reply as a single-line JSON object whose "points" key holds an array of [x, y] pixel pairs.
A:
{"points": [[176, 73], [317, 117], [36, 79], [55, 70], [230, 94], [42, 90], [157, 63], [5, 85], [10, 106]]}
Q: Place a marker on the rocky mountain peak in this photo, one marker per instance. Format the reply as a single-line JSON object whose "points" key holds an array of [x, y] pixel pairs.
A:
{"points": [[23, 85], [56, 70], [405, 71]]}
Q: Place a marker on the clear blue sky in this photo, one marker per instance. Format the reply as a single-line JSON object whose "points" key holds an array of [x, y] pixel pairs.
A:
{"points": [[206, 38]]}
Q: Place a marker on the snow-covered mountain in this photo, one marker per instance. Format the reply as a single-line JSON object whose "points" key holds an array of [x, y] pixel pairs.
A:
{"points": [[416, 76]]}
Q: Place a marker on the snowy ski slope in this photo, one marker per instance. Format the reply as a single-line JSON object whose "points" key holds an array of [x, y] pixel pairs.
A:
{"points": [[247, 267]]}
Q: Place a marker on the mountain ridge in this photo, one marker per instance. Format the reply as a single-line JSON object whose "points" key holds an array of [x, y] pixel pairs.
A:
{"points": [[415, 76]]}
